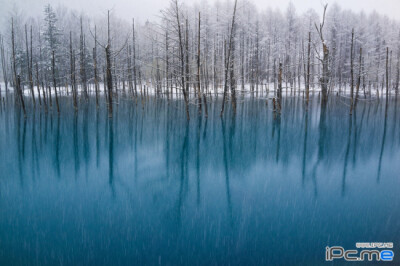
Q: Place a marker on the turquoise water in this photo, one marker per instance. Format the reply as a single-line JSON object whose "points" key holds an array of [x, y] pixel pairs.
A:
{"points": [[148, 187]]}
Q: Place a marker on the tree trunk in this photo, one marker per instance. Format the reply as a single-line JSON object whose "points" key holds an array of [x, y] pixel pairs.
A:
{"points": [[54, 81], [198, 69], [17, 79], [134, 57], [72, 72], [82, 63], [387, 74], [3, 63], [182, 57], [279, 94], [96, 80], [38, 84], [228, 59], [29, 70], [109, 80], [308, 68], [358, 80], [352, 71]]}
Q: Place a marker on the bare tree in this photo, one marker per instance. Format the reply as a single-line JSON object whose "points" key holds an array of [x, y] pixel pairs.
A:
{"points": [[324, 60], [352, 71], [28, 64], [96, 80], [358, 79], [307, 79], [228, 57], [54, 81], [17, 80], [3, 63]]}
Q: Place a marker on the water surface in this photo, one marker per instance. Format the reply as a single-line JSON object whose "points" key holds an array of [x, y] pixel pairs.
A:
{"points": [[148, 187]]}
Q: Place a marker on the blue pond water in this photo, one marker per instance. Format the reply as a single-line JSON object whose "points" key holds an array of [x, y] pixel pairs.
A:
{"points": [[148, 187]]}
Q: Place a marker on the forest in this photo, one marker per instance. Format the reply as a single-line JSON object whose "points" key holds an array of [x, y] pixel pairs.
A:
{"points": [[198, 52], [214, 133]]}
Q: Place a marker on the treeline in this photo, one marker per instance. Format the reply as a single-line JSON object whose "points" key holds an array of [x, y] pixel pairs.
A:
{"points": [[198, 50]]}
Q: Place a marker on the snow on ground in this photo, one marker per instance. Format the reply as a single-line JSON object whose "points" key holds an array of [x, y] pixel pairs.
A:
{"points": [[262, 89]]}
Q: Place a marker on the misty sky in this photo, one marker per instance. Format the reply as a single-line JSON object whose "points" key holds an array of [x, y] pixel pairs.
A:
{"points": [[148, 9]]}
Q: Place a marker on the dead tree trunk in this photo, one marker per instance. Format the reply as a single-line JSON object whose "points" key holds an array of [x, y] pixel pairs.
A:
{"points": [[182, 57], [358, 79], [82, 63], [72, 72], [109, 67], [41, 73], [228, 59], [232, 74], [29, 67], [198, 69], [167, 64], [38, 84], [53, 64], [134, 57], [3, 64], [187, 66], [129, 62], [96, 80], [387, 74], [17, 80], [352, 71], [279, 93], [325, 60], [397, 72], [308, 69]]}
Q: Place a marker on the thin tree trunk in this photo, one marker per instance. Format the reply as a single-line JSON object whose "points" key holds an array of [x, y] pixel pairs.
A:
{"points": [[82, 62], [17, 80], [54, 81], [72, 73], [227, 59], [182, 57], [108, 66], [38, 84], [308, 68], [96, 81], [3, 64], [352, 72], [358, 79], [29, 67], [134, 57], [279, 94], [387, 74], [198, 69]]}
